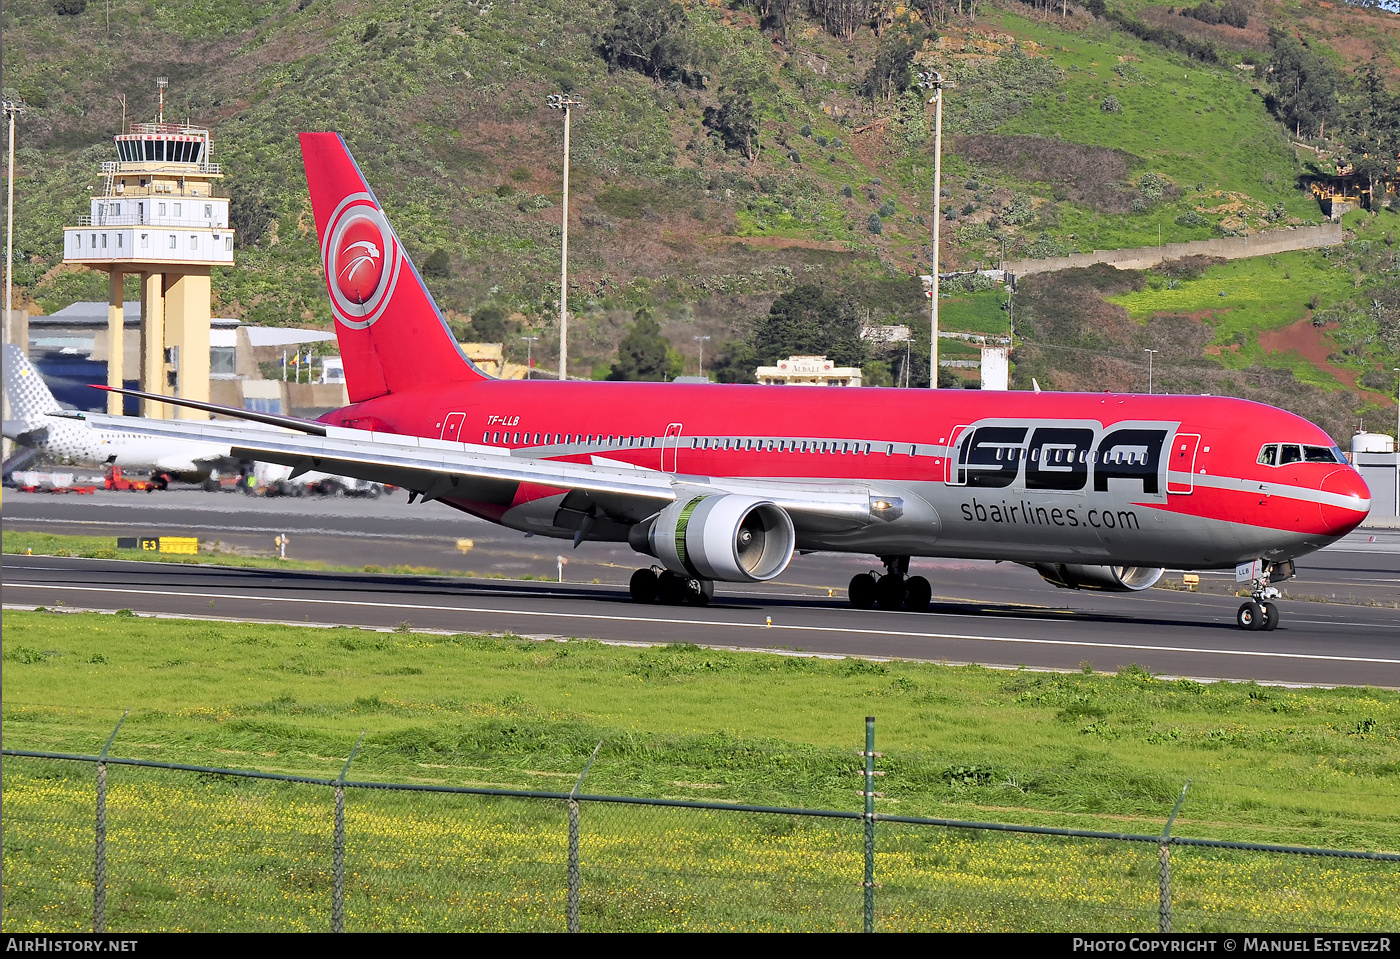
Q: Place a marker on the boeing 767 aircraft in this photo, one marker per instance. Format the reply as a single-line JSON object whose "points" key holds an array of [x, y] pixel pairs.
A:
{"points": [[726, 483]]}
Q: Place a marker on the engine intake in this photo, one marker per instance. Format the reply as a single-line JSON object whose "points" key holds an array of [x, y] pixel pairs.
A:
{"points": [[727, 537], [1111, 579]]}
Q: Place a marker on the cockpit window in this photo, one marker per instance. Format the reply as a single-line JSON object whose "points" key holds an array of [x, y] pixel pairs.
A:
{"points": [[1283, 454]]}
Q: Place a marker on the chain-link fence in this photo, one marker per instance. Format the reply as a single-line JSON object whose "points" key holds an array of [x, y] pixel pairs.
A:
{"points": [[128, 845]]}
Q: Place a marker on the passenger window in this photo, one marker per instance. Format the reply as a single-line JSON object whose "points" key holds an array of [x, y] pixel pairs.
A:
{"points": [[1289, 453]]}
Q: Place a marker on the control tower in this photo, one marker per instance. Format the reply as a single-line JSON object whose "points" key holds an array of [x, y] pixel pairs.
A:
{"points": [[158, 217]]}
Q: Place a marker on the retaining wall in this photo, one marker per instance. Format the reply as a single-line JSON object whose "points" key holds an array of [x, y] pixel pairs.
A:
{"points": [[1227, 247]]}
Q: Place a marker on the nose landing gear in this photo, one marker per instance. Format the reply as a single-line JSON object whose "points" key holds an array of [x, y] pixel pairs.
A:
{"points": [[896, 589], [1259, 613]]}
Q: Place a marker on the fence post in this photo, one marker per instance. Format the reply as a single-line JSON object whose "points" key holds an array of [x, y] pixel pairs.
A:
{"points": [[869, 792], [574, 876], [99, 865], [338, 856], [1164, 868]]}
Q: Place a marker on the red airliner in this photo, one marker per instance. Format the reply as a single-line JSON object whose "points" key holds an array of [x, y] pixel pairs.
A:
{"points": [[725, 483]]}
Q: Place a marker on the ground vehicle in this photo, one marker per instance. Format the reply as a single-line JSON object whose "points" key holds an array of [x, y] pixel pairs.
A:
{"points": [[726, 483]]}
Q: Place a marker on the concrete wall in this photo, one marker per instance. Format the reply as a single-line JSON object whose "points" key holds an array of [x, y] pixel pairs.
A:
{"points": [[1227, 247]]}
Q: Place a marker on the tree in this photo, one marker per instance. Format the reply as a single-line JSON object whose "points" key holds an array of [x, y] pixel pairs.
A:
{"points": [[736, 117], [643, 354], [841, 17], [1371, 130], [490, 324], [809, 320], [1304, 86], [652, 37], [889, 74]]}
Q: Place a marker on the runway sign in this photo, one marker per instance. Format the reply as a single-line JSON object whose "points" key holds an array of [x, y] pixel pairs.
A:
{"points": [[160, 544]]}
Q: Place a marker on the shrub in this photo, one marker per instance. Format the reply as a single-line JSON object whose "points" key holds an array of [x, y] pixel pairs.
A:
{"points": [[1111, 105], [438, 265], [1018, 211], [887, 208], [69, 8], [875, 224], [1152, 186]]}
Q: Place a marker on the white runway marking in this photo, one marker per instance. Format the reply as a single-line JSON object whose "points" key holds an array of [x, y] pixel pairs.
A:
{"points": [[840, 630]]}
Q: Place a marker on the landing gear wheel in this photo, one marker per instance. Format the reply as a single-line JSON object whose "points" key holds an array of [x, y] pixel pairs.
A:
{"points": [[917, 594], [889, 592], [670, 588], [643, 586], [1270, 621], [1250, 616], [862, 591], [699, 592]]}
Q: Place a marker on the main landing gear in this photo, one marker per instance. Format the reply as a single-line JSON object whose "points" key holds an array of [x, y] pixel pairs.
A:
{"points": [[656, 584], [896, 589], [1259, 613]]}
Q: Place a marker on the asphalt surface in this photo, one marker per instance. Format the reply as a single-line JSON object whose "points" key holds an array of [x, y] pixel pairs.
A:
{"points": [[1336, 629]]}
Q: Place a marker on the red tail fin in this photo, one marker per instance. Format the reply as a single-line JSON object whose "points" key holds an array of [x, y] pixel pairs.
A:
{"points": [[392, 335]]}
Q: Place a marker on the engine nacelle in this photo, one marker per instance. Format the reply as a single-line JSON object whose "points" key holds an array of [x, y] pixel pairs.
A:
{"points": [[1111, 579], [726, 537]]}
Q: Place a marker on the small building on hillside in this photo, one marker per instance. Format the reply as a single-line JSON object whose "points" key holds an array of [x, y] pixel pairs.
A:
{"points": [[808, 371], [490, 358]]}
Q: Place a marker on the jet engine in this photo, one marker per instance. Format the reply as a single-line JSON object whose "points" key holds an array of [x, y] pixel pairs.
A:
{"points": [[726, 537], [1111, 579]]}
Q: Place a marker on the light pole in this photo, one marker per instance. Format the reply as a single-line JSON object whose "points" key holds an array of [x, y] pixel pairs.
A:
{"points": [[565, 102], [935, 82], [1150, 355], [529, 356], [13, 108], [1397, 441], [701, 340]]}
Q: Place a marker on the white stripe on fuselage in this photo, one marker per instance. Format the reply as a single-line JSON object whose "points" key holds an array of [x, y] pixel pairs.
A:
{"points": [[1240, 485]]}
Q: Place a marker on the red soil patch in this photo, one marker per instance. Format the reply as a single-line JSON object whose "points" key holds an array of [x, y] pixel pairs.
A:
{"points": [[1312, 344], [1309, 342]]}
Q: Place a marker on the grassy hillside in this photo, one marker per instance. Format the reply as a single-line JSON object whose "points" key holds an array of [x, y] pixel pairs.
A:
{"points": [[1061, 134]]}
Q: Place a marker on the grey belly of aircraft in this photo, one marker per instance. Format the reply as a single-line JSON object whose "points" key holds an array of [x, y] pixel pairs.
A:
{"points": [[1008, 524]]}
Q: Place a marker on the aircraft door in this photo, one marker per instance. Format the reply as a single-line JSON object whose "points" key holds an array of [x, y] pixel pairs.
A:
{"points": [[452, 427], [1181, 467], [670, 448], [950, 471]]}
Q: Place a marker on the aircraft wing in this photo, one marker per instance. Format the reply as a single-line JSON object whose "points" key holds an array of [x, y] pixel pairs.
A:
{"points": [[440, 469]]}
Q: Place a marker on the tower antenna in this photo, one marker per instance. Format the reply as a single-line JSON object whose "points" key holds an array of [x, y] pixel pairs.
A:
{"points": [[161, 84]]}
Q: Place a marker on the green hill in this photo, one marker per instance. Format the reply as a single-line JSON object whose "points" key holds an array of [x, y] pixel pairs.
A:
{"points": [[744, 150]]}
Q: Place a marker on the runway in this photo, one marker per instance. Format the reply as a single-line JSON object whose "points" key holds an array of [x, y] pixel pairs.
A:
{"points": [[984, 613]]}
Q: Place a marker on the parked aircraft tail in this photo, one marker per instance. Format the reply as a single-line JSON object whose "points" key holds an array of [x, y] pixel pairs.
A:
{"points": [[392, 335], [30, 398]]}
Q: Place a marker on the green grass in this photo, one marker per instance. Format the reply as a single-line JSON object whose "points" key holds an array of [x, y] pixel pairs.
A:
{"points": [[105, 547], [1192, 123], [974, 313], [1240, 299], [1096, 751]]}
